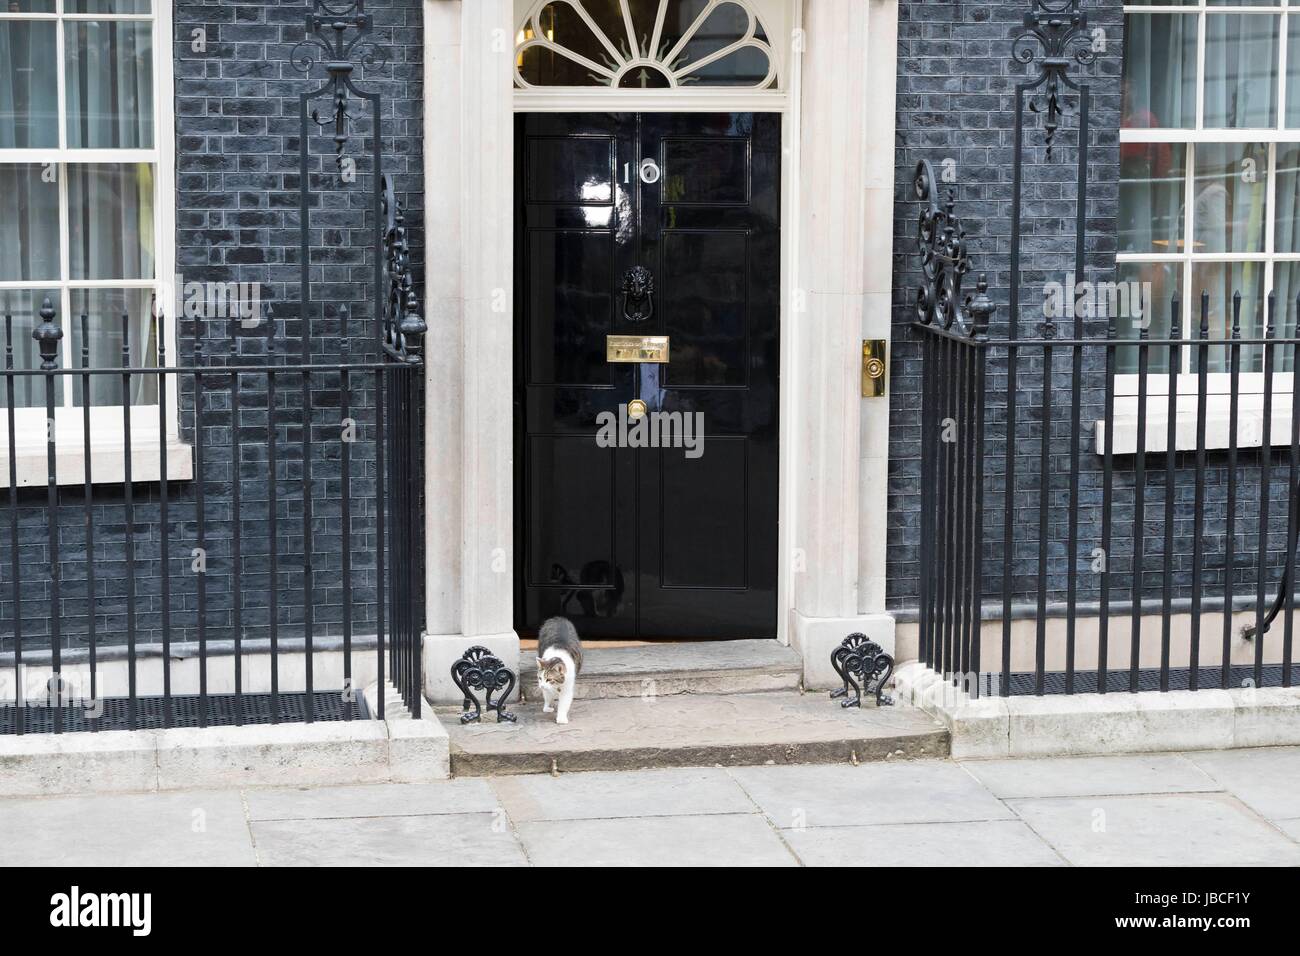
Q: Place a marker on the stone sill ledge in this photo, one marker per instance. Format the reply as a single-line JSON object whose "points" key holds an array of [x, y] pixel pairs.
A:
{"points": [[1218, 424], [108, 463]]}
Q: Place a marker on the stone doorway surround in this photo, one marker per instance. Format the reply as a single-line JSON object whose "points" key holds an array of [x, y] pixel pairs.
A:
{"points": [[838, 229]]}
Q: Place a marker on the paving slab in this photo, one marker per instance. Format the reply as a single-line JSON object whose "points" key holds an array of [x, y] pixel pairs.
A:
{"points": [[638, 793], [448, 839], [1086, 776], [198, 828], [928, 791], [373, 800], [699, 667], [1192, 829], [1267, 779], [690, 730], [1291, 828], [986, 843], [735, 840]]}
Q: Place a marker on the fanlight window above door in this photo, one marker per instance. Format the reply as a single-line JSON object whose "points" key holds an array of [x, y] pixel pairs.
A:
{"points": [[644, 44]]}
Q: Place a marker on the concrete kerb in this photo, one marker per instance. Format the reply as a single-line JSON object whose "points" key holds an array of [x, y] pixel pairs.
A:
{"points": [[396, 749], [1059, 725]]}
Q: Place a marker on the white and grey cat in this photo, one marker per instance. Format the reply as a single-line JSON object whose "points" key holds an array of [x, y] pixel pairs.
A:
{"points": [[559, 659]]}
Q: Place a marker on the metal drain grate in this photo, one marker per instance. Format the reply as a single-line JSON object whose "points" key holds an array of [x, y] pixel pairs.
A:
{"points": [[223, 711], [1117, 682]]}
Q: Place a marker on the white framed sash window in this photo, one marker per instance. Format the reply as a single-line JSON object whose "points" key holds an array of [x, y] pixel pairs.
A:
{"points": [[87, 217]]}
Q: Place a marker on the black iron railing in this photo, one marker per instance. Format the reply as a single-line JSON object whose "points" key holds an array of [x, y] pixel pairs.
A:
{"points": [[257, 555], [1111, 505], [131, 572], [1105, 514]]}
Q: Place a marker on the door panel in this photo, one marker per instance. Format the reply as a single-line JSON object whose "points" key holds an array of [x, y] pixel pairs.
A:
{"points": [[635, 541], [572, 301], [704, 275]]}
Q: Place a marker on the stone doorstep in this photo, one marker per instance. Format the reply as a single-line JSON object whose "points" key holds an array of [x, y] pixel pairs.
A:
{"points": [[657, 670], [1061, 725], [690, 730], [397, 749]]}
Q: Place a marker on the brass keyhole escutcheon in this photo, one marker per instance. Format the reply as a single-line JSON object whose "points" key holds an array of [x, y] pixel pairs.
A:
{"points": [[636, 408]]}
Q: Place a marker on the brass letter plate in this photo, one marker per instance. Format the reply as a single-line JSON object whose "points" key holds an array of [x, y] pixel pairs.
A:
{"points": [[873, 368], [636, 348]]}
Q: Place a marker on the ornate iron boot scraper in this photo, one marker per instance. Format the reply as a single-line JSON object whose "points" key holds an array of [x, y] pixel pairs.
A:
{"points": [[479, 669], [864, 659]]}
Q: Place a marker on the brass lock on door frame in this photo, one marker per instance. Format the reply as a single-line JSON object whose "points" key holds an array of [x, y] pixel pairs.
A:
{"points": [[873, 368]]}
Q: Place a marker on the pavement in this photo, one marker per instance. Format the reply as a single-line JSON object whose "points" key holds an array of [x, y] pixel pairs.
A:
{"points": [[1234, 807]]}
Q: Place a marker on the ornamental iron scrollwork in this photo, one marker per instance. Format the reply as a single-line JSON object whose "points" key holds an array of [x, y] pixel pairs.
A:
{"points": [[863, 665], [945, 261], [638, 290], [1055, 35], [479, 669], [338, 36], [403, 327]]}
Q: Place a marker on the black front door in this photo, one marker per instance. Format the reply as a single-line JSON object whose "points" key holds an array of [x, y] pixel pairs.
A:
{"points": [[640, 527]]}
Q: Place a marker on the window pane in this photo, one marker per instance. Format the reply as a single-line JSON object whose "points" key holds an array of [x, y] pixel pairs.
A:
{"points": [[1286, 286], [1229, 197], [1293, 72], [106, 6], [724, 26], [747, 66], [1152, 285], [1159, 71], [29, 222], [540, 66], [23, 308], [104, 309], [109, 84], [1152, 182], [608, 17], [1286, 236], [30, 6], [1221, 280], [110, 221], [29, 92], [1241, 53]]}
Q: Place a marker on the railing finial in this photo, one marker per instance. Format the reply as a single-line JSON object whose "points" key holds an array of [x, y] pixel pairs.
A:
{"points": [[47, 336], [981, 308]]}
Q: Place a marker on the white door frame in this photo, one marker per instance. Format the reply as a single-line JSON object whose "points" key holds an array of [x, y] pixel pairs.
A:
{"points": [[837, 202]]}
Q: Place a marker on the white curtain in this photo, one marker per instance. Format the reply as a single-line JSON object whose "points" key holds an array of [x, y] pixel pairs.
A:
{"points": [[1286, 275], [1241, 61], [110, 84], [28, 88]]}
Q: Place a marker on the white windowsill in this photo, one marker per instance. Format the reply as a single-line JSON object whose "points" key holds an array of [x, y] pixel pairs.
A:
{"points": [[1218, 431], [107, 462]]}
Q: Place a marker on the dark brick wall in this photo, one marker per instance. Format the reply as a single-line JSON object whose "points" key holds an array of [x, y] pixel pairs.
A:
{"points": [[956, 102], [237, 142]]}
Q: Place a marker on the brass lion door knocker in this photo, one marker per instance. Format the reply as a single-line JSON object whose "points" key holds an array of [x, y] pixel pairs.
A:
{"points": [[638, 294]]}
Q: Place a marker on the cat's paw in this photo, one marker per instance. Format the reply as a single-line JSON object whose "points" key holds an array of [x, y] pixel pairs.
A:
{"points": [[561, 720], [547, 709]]}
